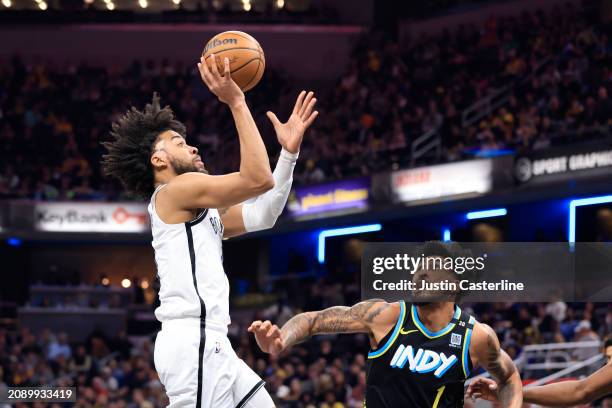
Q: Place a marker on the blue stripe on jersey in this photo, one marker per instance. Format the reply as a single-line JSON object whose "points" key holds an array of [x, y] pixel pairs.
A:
{"points": [[393, 337], [439, 333], [466, 348]]}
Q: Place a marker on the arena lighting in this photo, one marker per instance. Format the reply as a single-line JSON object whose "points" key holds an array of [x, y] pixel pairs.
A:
{"points": [[126, 283], [42, 5], [342, 231], [446, 234], [582, 202], [144, 284], [110, 6], [246, 4], [105, 281], [16, 242], [280, 4], [475, 215], [177, 2], [88, 1], [7, 3], [143, 3]]}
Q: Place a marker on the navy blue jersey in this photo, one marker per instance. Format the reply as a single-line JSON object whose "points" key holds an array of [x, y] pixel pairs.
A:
{"points": [[413, 367]]}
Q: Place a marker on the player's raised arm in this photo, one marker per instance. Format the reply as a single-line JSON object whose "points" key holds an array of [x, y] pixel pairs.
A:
{"points": [[561, 394], [485, 348], [265, 210], [375, 317], [197, 190]]}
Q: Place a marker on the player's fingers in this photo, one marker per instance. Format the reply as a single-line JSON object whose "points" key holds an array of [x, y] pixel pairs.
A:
{"points": [[308, 110], [312, 118], [265, 326], [270, 332], [298, 103], [307, 100], [472, 388], [210, 80], [255, 326], [274, 331], [273, 119], [226, 69], [213, 66], [204, 72]]}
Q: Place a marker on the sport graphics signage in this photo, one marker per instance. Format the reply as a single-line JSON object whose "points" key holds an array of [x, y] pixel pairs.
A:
{"points": [[340, 196], [445, 180], [582, 160], [91, 217]]}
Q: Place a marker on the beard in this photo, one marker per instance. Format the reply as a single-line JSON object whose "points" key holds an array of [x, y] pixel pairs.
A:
{"points": [[182, 167]]}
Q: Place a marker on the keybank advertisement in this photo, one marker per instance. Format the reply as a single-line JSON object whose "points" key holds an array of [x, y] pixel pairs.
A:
{"points": [[445, 180], [91, 217], [338, 196]]}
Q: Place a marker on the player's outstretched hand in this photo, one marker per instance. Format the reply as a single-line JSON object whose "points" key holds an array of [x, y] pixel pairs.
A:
{"points": [[484, 388], [268, 336], [290, 133], [223, 86]]}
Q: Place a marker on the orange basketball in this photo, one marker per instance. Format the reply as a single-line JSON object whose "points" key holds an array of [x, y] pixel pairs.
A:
{"points": [[246, 58]]}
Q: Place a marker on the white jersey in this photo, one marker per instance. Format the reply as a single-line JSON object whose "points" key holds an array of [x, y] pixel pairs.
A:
{"points": [[189, 262]]}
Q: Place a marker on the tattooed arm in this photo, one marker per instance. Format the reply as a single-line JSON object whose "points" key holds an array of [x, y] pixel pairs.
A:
{"points": [[487, 353], [374, 317]]}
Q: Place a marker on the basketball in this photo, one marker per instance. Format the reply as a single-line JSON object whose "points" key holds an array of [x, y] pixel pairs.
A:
{"points": [[246, 58]]}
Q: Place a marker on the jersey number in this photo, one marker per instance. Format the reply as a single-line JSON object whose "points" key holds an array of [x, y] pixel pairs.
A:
{"points": [[438, 396]]}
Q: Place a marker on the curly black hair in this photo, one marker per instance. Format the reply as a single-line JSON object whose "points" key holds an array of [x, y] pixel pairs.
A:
{"points": [[134, 135], [450, 249]]}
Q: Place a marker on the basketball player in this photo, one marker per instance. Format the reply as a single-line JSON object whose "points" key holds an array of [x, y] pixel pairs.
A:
{"points": [[191, 211], [421, 353], [561, 394]]}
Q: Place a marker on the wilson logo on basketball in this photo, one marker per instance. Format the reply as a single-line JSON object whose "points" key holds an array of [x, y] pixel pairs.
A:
{"points": [[216, 43]]}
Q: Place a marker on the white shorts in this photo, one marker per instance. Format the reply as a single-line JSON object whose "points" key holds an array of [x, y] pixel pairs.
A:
{"points": [[204, 371]]}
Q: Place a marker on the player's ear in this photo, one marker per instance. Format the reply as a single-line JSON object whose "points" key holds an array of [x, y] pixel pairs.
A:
{"points": [[159, 160]]}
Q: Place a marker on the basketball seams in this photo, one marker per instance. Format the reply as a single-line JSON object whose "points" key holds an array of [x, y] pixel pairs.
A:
{"points": [[245, 64], [246, 87], [233, 48]]}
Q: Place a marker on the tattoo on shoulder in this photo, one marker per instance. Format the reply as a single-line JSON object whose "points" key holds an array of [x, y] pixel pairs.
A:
{"points": [[369, 309]]}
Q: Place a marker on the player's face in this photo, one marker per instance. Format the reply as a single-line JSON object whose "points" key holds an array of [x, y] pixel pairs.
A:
{"points": [[608, 353], [432, 273], [182, 157]]}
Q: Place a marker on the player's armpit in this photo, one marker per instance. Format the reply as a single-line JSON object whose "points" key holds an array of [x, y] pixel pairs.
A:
{"points": [[192, 190], [364, 317], [485, 347], [233, 222]]}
